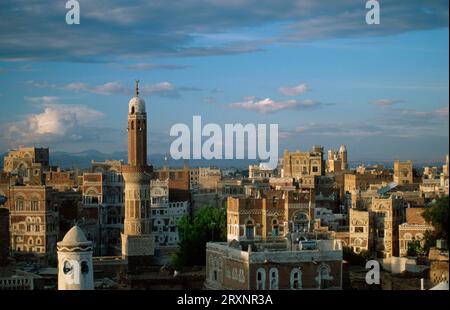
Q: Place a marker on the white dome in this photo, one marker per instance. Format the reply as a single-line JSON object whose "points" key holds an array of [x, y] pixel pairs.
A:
{"points": [[74, 237], [342, 149], [136, 105]]}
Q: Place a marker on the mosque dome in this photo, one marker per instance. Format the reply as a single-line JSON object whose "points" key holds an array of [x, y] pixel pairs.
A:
{"points": [[75, 237], [342, 149], [136, 104]]}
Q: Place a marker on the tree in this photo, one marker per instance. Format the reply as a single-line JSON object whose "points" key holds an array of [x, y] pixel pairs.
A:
{"points": [[208, 224], [437, 215], [414, 248], [356, 259]]}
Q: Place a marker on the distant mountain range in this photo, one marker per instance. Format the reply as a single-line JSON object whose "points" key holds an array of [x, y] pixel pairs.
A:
{"points": [[83, 160]]}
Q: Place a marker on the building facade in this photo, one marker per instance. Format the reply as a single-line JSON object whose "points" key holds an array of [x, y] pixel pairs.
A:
{"points": [[274, 266], [28, 164], [33, 220], [165, 214], [270, 218], [337, 161], [414, 228], [300, 164], [374, 225], [103, 206], [403, 172]]}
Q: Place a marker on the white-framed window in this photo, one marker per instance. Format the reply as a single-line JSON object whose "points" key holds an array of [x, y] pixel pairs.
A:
{"points": [[296, 279], [261, 279], [273, 276], [19, 204], [324, 278]]}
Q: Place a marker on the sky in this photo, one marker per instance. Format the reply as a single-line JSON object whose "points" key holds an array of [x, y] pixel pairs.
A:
{"points": [[315, 68]]}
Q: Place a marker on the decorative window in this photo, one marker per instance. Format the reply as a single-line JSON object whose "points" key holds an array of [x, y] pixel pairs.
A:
{"points": [[273, 276], [261, 279], [275, 228], [34, 204], [407, 236], [301, 222], [249, 230], [296, 279], [324, 277], [19, 204]]}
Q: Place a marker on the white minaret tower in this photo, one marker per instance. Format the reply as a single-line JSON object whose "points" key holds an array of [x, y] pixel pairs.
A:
{"points": [[75, 261]]}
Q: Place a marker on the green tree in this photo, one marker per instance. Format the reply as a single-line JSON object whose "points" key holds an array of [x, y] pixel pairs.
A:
{"points": [[208, 224], [437, 215], [414, 248]]}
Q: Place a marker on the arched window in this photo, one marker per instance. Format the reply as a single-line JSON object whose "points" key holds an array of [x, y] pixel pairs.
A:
{"points": [[132, 110], [34, 204], [407, 236], [19, 204], [324, 277], [273, 276], [249, 230], [296, 279], [132, 125], [301, 222], [261, 279]]}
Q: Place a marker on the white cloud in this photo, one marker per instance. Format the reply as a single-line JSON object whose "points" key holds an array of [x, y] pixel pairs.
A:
{"points": [[109, 88], [42, 100], [76, 86], [163, 88], [56, 121], [293, 91], [385, 102], [268, 105], [156, 88]]}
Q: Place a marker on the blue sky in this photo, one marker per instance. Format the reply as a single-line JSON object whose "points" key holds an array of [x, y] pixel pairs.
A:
{"points": [[313, 67]]}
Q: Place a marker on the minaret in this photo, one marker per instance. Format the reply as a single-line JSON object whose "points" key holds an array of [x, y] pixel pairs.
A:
{"points": [[137, 242], [75, 261]]}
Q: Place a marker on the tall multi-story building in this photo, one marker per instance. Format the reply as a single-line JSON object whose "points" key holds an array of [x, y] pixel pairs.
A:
{"points": [[270, 218], [313, 265], [103, 206], [264, 250], [403, 172], [204, 178], [300, 164], [165, 214], [337, 161], [33, 220], [61, 180], [179, 183], [28, 164], [260, 171], [414, 228], [374, 224], [364, 177], [137, 242]]}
